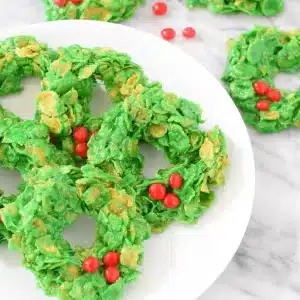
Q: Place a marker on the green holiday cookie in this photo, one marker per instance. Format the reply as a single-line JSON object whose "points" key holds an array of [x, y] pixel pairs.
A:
{"points": [[254, 61], [256, 7], [51, 201], [171, 124], [99, 10]]}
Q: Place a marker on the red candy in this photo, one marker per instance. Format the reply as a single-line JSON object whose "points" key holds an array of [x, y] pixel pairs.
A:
{"points": [[189, 32], [171, 201], [168, 34], [76, 1], [157, 191], [80, 134], [262, 105], [112, 274], [91, 264], [261, 87], [160, 8], [111, 259], [175, 181], [61, 3], [274, 95], [81, 150]]}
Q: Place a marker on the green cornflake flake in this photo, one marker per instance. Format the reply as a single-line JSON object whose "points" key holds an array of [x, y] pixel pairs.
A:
{"points": [[5, 234]]}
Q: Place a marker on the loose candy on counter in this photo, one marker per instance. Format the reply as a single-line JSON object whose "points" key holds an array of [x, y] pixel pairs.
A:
{"points": [[189, 32], [53, 198], [168, 34], [160, 8], [258, 7], [112, 11], [254, 60]]}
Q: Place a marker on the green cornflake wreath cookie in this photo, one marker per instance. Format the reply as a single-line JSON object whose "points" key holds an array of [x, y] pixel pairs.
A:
{"points": [[254, 61], [110, 186], [51, 201], [171, 124], [100, 10], [251, 7]]}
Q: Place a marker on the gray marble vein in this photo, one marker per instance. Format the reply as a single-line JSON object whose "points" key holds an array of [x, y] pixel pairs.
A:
{"points": [[267, 264]]}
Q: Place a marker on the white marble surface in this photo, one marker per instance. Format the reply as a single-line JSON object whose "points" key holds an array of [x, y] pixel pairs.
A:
{"points": [[267, 264]]}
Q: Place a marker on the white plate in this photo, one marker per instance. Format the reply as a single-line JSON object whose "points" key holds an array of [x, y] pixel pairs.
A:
{"points": [[185, 260]]}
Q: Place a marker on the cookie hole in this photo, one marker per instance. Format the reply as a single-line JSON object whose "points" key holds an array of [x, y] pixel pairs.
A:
{"points": [[101, 101], [82, 232], [154, 160], [9, 181], [23, 104], [288, 81]]}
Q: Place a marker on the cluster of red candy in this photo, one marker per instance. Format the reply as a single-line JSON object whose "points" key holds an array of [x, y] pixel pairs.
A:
{"points": [[62, 3], [81, 136], [262, 88], [160, 9], [110, 261], [158, 191]]}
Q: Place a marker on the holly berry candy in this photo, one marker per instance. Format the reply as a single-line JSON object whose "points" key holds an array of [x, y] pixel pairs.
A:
{"points": [[80, 134], [111, 259], [160, 8], [112, 274], [168, 34], [76, 1], [261, 87], [81, 150], [171, 201], [262, 105], [175, 181], [157, 191], [61, 3], [189, 32], [91, 264], [274, 95]]}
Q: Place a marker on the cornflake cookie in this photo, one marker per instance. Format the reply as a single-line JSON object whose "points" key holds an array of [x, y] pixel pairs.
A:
{"points": [[99, 10], [171, 124], [254, 61], [54, 197], [251, 7]]}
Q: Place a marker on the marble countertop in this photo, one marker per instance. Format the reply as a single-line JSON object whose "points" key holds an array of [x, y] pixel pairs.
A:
{"points": [[267, 264]]}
